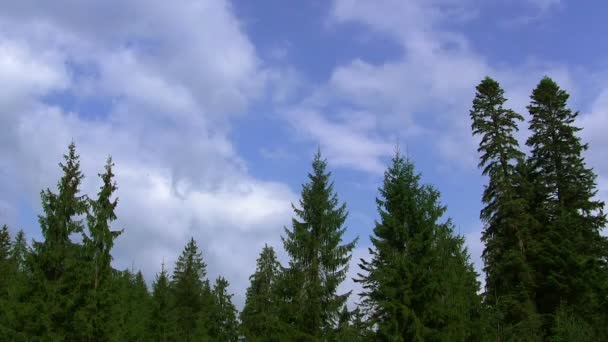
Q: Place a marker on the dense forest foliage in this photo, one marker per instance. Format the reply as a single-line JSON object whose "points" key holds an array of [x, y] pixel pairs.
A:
{"points": [[545, 261]]}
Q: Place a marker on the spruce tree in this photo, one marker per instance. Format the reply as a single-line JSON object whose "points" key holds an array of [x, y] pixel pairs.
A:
{"points": [[260, 315], [7, 272], [569, 252], [161, 324], [509, 277], [20, 252], [93, 317], [318, 258], [5, 262], [19, 312], [224, 325], [131, 310], [57, 258], [419, 284], [189, 290]]}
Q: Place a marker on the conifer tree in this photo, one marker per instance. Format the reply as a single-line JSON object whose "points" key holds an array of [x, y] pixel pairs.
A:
{"points": [[161, 324], [94, 315], [224, 325], [20, 252], [18, 313], [318, 258], [419, 284], [56, 259], [190, 290], [5, 262], [260, 315], [509, 277], [7, 272], [569, 252], [131, 310]]}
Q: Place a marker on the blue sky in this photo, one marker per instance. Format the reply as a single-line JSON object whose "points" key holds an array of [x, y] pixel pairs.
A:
{"points": [[212, 109]]}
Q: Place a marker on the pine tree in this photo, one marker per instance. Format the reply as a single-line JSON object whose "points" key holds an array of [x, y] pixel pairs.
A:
{"points": [[7, 272], [224, 326], [509, 277], [419, 284], [161, 324], [19, 312], [318, 259], [569, 252], [131, 311], [190, 289], [260, 315], [56, 259], [5, 262], [20, 252], [141, 303], [93, 317]]}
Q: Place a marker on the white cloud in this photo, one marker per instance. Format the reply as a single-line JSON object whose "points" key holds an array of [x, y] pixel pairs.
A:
{"points": [[171, 75], [423, 95], [342, 142]]}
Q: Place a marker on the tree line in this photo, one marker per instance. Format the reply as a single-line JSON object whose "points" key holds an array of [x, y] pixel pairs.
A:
{"points": [[545, 261]]}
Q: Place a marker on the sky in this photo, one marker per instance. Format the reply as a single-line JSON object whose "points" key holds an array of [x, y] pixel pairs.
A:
{"points": [[212, 109]]}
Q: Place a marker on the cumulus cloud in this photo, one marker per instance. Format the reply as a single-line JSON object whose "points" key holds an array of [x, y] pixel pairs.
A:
{"points": [[170, 78], [343, 142]]}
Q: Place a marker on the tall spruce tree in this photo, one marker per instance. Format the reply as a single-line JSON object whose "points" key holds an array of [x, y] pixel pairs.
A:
{"points": [[190, 290], [318, 258], [5, 262], [131, 310], [7, 272], [260, 315], [224, 325], [509, 277], [570, 254], [161, 324], [19, 312], [57, 258], [94, 316], [419, 284]]}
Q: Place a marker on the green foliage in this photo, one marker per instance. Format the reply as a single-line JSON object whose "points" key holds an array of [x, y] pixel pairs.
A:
{"points": [[190, 290], [161, 324], [318, 259], [17, 315], [224, 325], [419, 284], [546, 263], [57, 260], [509, 276], [93, 317], [569, 254], [260, 316], [131, 310]]}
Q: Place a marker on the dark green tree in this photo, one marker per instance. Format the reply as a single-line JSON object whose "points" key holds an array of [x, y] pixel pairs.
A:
{"points": [[161, 323], [569, 255], [318, 258], [131, 310], [190, 290], [20, 253], [93, 316], [19, 312], [56, 259], [5, 262], [260, 315], [419, 284], [7, 272], [352, 327], [506, 215], [224, 325]]}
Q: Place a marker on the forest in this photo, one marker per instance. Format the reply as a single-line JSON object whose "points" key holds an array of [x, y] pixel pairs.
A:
{"points": [[545, 258]]}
